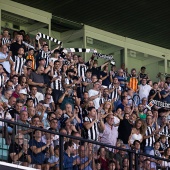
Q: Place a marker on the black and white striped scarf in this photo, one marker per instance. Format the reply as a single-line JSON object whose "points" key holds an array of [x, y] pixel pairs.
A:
{"points": [[41, 35]]}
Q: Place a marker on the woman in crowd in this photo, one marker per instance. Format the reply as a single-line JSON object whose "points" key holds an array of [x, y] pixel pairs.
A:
{"points": [[137, 132]]}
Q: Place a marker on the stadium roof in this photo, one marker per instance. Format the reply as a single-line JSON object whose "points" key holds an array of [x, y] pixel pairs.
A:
{"points": [[147, 21]]}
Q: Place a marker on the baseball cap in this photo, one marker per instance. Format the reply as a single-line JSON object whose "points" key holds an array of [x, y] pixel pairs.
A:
{"points": [[23, 91]]}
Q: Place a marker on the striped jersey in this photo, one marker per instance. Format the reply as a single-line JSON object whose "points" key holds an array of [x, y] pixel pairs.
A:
{"points": [[18, 64]]}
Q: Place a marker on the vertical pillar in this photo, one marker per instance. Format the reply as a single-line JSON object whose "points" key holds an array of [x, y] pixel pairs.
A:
{"points": [[49, 32], [126, 56], [166, 65], [84, 42]]}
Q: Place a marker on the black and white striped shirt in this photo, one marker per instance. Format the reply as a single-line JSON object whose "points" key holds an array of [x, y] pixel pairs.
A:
{"points": [[35, 100], [18, 64], [93, 132], [165, 131], [87, 80], [5, 41], [102, 100], [2, 80], [151, 140], [81, 70], [114, 94], [46, 56], [68, 81], [57, 84]]}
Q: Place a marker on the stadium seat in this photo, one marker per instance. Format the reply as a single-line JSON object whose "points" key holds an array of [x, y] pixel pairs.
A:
{"points": [[3, 150]]}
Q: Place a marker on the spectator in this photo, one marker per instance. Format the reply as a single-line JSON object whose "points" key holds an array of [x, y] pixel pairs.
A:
{"points": [[16, 45], [137, 132], [124, 103], [59, 114], [91, 126], [149, 135], [69, 96], [102, 158], [120, 156], [69, 161], [5, 59], [121, 78], [104, 75], [125, 129], [112, 165], [54, 158], [165, 93], [154, 93], [37, 79], [110, 133], [18, 151], [23, 120], [85, 162], [95, 94], [144, 89], [38, 150]]}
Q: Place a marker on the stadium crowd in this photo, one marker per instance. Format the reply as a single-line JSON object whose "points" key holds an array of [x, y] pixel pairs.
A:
{"points": [[41, 87]]}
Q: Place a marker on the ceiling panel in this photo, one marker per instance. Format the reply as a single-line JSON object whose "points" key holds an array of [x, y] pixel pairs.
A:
{"points": [[147, 21]]}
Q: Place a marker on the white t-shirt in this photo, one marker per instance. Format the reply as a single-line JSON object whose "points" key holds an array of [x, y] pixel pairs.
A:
{"points": [[144, 91], [96, 101], [39, 96], [5, 64]]}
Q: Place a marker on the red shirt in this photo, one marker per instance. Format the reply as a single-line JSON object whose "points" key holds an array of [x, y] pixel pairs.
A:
{"points": [[104, 164]]}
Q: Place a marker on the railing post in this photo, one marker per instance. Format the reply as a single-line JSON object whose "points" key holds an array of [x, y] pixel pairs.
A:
{"points": [[130, 160], [136, 161], [61, 152]]}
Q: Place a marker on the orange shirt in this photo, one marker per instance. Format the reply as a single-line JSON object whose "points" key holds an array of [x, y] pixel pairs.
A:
{"points": [[31, 57], [133, 83]]}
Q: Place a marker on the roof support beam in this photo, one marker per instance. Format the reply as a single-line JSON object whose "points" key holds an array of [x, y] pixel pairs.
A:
{"points": [[35, 26]]}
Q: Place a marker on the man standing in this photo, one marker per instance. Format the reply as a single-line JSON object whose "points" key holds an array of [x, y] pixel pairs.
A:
{"points": [[110, 133], [144, 89], [149, 135], [94, 94], [165, 93], [38, 150], [37, 79], [92, 125], [5, 59]]}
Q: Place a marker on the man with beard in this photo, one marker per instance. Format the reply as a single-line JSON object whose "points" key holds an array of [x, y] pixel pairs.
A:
{"points": [[105, 97], [69, 96], [133, 80], [37, 79], [16, 45], [56, 83], [68, 81]]}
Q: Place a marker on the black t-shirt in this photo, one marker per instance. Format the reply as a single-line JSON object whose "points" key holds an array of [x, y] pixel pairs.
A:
{"points": [[15, 47], [96, 71], [124, 130], [15, 148], [151, 93]]}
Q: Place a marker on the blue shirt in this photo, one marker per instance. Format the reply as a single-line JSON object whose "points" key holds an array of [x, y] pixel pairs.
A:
{"points": [[68, 162], [166, 99], [39, 157], [121, 79], [84, 160], [121, 106]]}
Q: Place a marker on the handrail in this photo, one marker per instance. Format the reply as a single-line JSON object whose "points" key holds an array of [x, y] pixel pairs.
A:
{"points": [[84, 140]]}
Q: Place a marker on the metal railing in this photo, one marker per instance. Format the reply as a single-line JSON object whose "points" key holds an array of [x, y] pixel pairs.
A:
{"points": [[133, 155]]}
